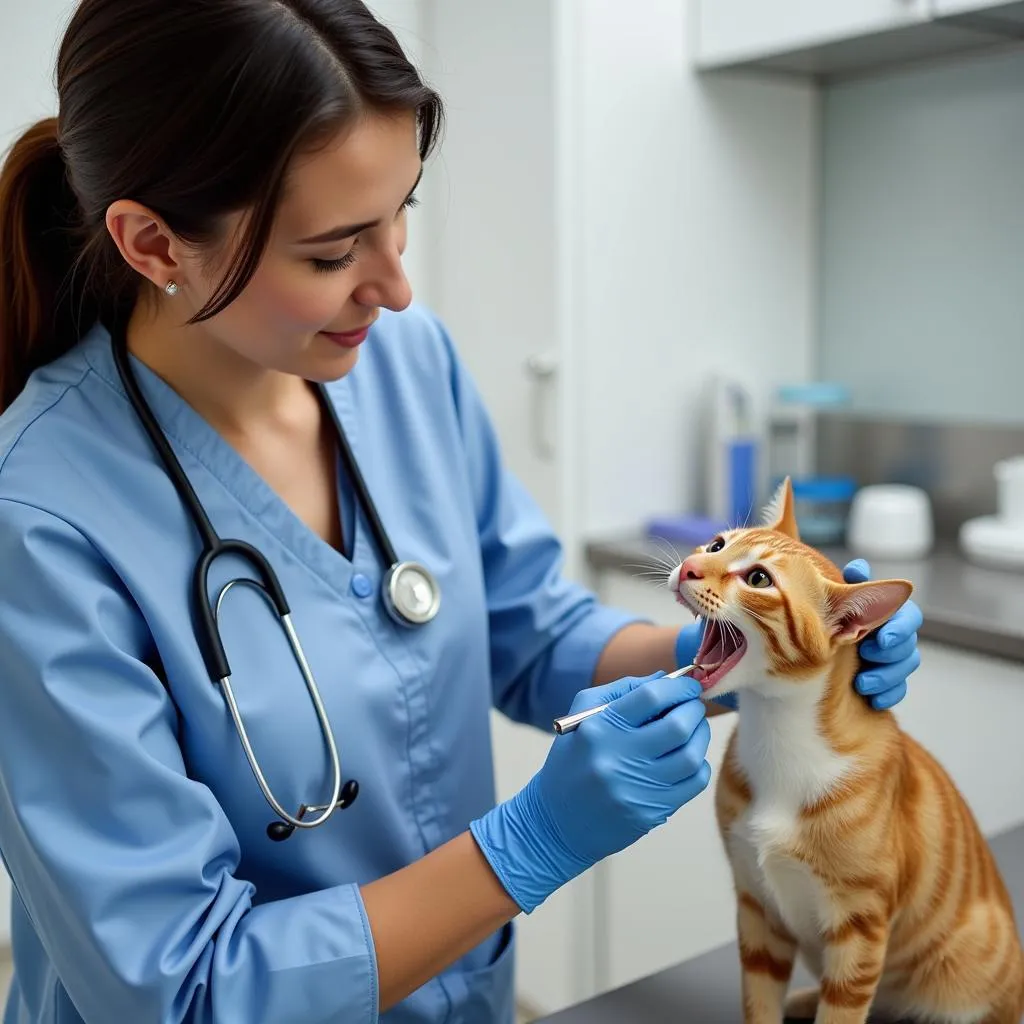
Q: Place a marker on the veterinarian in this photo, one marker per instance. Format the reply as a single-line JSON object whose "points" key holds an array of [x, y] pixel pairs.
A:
{"points": [[262, 571]]}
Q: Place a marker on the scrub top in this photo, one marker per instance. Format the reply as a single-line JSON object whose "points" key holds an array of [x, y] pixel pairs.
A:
{"points": [[145, 886]]}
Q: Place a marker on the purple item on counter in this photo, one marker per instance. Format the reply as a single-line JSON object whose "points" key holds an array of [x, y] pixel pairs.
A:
{"points": [[685, 529]]}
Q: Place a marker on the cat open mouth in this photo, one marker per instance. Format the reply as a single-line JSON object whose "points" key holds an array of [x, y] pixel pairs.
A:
{"points": [[720, 651]]}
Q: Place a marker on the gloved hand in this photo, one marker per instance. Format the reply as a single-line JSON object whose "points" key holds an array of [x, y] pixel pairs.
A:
{"points": [[617, 776], [891, 652]]}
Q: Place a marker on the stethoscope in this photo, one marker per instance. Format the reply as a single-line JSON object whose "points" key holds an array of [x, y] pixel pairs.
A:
{"points": [[409, 592]]}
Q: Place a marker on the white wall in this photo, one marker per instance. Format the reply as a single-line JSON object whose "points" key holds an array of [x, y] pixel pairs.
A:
{"points": [[698, 221], [405, 19], [492, 216], [29, 37], [672, 217]]}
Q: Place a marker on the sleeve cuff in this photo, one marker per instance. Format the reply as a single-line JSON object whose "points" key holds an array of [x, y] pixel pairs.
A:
{"points": [[319, 952]]}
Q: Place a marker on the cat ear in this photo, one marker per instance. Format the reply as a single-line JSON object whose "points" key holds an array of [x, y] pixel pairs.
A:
{"points": [[858, 608], [779, 514]]}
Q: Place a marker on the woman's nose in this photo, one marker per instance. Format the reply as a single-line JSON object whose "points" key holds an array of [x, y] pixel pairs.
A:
{"points": [[387, 286], [691, 569]]}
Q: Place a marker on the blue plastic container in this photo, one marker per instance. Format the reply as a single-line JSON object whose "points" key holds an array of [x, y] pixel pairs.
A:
{"points": [[742, 478], [822, 507]]}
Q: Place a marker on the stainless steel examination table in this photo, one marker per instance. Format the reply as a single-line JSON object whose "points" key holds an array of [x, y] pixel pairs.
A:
{"points": [[706, 989]]}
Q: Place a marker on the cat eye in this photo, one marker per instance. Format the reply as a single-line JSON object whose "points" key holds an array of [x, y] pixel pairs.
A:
{"points": [[758, 579], [716, 545]]}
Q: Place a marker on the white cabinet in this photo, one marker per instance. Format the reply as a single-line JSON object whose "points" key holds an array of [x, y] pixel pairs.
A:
{"points": [[733, 31], [829, 39]]}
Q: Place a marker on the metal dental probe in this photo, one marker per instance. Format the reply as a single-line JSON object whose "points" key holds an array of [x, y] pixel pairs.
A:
{"points": [[567, 723]]}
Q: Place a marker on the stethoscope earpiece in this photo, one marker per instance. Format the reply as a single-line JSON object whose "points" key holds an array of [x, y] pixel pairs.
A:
{"points": [[278, 831], [349, 792]]}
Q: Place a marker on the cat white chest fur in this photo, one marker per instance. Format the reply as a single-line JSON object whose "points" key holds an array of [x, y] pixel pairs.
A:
{"points": [[788, 765]]}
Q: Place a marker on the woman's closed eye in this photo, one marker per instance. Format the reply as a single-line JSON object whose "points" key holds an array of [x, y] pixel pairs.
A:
{"points": [[323, 266], [328, 266]]}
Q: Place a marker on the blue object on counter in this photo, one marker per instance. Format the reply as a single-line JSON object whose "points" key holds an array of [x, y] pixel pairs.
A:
{"points": [[822, 505], [692, 530], [818, 393], [742, 481]]}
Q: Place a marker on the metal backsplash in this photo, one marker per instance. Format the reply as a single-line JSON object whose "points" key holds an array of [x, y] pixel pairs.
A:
{"points": [[951, 461]]}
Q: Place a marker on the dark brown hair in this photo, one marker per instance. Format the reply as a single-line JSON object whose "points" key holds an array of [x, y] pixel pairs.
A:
{"points": [[195, 109]]}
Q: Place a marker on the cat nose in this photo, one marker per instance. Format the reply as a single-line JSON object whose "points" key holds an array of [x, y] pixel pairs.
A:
{"points": [[690, 570]]}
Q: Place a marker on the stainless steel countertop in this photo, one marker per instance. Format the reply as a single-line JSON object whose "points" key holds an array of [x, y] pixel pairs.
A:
{"points": [[965, 605], [706, 989]]}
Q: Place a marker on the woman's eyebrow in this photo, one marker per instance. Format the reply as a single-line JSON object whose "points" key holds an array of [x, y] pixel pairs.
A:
{"points": [[339, 234]]}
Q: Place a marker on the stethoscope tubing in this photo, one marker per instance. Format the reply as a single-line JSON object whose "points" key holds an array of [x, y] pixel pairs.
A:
{"points": [[205, 615]]}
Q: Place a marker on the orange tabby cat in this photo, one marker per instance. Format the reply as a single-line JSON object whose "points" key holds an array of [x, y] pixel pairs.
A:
{"points": [[847, 841]]}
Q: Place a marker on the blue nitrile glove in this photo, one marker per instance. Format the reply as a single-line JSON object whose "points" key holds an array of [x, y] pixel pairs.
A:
{"points": [[619, 775], [891, 652]]}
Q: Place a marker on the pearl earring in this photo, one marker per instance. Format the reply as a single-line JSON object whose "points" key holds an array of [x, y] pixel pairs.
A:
{"points": [[171, 288]]}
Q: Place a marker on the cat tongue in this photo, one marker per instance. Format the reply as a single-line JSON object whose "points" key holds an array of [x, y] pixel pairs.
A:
{"points": [[717, 646]]}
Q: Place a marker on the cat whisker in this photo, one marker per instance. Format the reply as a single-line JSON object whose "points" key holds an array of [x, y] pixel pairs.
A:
{"points": [[667, 543], [671, 557], [652, 568], [730, 631], [665, 570], [658, 577], [654, 558]]}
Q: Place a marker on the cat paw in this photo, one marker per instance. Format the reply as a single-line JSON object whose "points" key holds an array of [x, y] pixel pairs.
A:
{"points": [[802, 1004]]}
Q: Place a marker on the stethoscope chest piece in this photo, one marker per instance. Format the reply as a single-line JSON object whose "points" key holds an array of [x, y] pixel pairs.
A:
{"points": [[412, 596]]}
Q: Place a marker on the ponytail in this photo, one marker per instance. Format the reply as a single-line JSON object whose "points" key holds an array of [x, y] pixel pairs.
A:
{"points": [[39, 218]]}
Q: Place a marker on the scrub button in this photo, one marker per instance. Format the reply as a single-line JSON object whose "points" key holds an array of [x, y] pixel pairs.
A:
{"points": [[361, 585]]}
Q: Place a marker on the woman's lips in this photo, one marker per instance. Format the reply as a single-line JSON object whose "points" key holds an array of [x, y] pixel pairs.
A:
{"points": [[348, 339]]}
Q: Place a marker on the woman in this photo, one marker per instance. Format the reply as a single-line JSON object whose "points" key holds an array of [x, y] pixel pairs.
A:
{"points": [[217, 218]]}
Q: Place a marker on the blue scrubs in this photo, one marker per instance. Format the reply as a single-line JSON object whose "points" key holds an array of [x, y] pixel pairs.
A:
{"points": [[146, 889]]}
